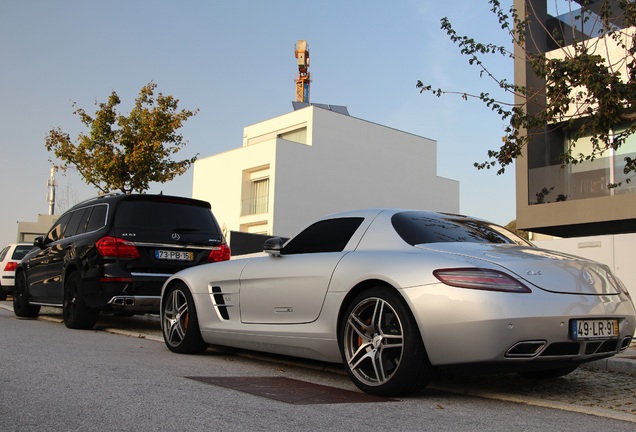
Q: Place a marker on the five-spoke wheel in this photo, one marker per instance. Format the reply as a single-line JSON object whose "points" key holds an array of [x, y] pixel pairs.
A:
{"points": [[381, 345], [179, 322]]}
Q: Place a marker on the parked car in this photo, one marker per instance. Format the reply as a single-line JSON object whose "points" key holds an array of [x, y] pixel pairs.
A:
{"points": [[396, 294], [9, 258], [113, 253]]}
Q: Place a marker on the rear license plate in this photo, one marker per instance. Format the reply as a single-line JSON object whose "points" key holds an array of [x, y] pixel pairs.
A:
{"points": [[174, 255], [594, 329]]}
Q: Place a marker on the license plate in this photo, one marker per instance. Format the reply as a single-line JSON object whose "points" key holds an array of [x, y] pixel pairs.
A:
{"points": [[174, 255], [594, 329]]}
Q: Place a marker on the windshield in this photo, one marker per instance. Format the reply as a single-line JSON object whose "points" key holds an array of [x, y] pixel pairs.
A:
{"points": [[421, 228]]}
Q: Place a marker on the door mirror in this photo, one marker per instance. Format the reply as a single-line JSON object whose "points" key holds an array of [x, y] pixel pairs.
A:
{"points": [[39, 242], [273, 246]]}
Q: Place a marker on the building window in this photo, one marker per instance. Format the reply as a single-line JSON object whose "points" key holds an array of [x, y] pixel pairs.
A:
{"points": [[255, 193], [552, 182]]}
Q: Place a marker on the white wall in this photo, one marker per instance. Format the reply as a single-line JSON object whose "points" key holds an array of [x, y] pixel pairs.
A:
{"points": [[356, 164], [616, 251], [347, 163]]}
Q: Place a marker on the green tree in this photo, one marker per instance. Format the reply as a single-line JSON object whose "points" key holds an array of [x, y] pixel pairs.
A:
{"points": [[126, 153], [580, 91]]}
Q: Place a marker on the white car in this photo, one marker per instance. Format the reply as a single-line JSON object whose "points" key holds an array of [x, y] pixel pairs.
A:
{"points": [[396, 294], [10, 256]]}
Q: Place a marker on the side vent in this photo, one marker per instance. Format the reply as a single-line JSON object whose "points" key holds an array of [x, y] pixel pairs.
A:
{"points": [[219, 303]]}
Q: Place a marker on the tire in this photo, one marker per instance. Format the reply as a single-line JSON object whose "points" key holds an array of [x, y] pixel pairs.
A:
{"points": [[3, 295], [549, 373], [179, 322], [74, 310], [381, 346], [21, 306]]}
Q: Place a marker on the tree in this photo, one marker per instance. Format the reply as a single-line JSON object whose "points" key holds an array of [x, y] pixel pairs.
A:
{"points": [[584, 90], [126, 153], [512, 226]]}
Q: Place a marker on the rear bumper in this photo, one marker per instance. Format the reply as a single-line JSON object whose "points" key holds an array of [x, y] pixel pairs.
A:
{"points": [[7, 283], [135, 303], [139, 295], [462, 326]]}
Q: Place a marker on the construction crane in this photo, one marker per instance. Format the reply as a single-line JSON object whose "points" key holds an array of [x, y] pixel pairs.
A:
{"points": [[302, 79]]}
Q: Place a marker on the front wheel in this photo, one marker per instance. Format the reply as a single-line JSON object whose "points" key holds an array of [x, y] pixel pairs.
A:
{"points": [[74, 310], [21, 306], [381, 346], [179, 323]]}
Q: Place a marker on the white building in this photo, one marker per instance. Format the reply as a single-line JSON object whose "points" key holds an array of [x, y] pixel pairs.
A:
{"points": [[315, 161]]}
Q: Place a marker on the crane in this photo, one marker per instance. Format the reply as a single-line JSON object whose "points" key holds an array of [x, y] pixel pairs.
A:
{"points": [[302, 79]]}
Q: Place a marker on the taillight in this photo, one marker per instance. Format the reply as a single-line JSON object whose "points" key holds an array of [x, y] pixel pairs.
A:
{"points": [[11, 266], [480, 279], [116, 248], [220, 253]]}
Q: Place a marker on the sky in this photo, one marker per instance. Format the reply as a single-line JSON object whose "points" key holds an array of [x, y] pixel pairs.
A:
{"points": [[234, 62]]}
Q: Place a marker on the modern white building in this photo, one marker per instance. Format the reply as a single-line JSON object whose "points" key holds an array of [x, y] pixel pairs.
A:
{"points": [[315, 161]]}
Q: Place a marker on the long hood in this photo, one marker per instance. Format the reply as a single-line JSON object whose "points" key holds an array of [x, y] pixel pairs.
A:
{"points": [[548, 270]]}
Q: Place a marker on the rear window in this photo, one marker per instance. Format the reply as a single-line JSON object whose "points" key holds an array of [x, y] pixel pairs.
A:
{"points": [[165, 216], [20, 251], [421, 228]]}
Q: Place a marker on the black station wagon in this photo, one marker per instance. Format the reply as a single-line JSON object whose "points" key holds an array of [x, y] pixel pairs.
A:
{"points": [[113, 253]]}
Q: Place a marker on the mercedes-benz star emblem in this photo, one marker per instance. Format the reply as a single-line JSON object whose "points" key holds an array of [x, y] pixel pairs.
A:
{"points": [[175, 236]]}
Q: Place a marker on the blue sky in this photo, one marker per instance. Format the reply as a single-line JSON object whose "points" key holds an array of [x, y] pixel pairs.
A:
{"points": [[234, 61]]}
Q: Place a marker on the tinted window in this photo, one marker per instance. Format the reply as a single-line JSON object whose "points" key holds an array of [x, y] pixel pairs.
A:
{"points": [[4, 252], [97, 217], [58, 229], [165, 216], [20, 251], [77, 222], [330, 235], [420, 228]]}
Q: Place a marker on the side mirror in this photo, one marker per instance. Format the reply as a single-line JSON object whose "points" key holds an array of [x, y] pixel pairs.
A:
{"points": [[273, 246], [39, 242]]}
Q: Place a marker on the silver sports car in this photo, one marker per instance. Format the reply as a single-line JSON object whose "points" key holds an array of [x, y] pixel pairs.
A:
{"points": [[396, 294]]}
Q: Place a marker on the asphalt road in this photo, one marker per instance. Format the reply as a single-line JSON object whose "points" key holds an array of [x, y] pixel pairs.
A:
{"points": [[57, 379]]}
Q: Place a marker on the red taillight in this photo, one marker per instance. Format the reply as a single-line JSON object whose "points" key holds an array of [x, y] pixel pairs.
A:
{"points": [[116, 248], [220, 253], [11, 266], [481, 279]]}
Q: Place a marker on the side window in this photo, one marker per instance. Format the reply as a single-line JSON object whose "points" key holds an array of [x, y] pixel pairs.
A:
{"points": [[331, 235], [57, 231], [97, 218], [77, 223]]}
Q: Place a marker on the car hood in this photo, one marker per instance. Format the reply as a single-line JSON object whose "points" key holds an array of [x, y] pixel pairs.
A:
{"points": [[548, 270]]}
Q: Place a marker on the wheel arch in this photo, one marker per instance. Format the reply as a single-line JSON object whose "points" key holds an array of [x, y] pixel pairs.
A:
{"points": [[357, 289], [70, 268]]}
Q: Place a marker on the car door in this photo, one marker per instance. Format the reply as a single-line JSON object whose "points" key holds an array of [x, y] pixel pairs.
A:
{"points": [[44, 269], [291, 288]]}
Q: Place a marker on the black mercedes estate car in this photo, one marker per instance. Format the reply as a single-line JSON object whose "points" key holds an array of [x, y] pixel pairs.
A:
{"points": [[113, 253]]}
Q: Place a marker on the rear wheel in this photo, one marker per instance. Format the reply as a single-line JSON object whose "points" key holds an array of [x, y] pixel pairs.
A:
{"points": [[3, 295], [179, 322], [381, 346], [21, 306], [74, 310]]}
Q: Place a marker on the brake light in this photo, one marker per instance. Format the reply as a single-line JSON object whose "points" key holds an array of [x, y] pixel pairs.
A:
{"points": [[116, 248], [11, 266], [480, 279], [220, 253]]}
